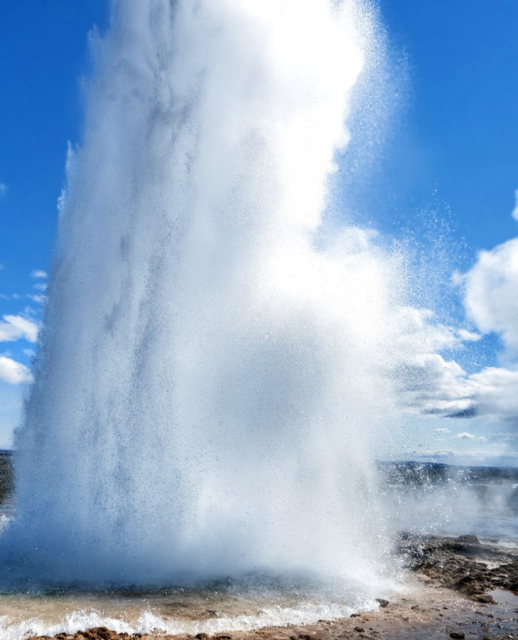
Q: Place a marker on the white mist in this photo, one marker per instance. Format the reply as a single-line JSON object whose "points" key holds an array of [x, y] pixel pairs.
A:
{"points": [[209, 385]]}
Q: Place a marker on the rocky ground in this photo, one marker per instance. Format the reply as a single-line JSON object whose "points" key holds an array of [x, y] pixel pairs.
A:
{"points": [[463, 564], [464, 589]]}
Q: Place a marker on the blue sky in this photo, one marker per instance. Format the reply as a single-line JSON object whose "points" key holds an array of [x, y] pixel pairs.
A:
{"points": [[43, 54], [449, 169], [460, 130]]}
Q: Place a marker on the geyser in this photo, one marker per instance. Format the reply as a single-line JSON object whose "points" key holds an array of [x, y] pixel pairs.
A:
{"points": [[209, 382]]}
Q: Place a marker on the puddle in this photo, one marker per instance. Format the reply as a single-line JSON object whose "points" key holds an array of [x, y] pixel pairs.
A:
{"points": [[499, 542], [502, 596]]}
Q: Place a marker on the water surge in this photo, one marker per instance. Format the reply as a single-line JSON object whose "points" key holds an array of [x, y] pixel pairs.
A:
{"points": [[210, 384]]}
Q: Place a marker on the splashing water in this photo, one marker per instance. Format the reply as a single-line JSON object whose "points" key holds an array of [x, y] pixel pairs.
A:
{"points": [[209, 385]]}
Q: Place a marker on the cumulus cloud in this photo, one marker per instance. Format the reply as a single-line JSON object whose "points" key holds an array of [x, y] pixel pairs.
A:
{"points": [[16, 327], [491, 293], [428, 383], [495, 393], [442, 430], [490, 290], [442, 388], [432, 384], [40, 286], [13, 372]]}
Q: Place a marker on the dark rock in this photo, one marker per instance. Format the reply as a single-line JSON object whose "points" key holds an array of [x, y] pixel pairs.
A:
{"points": [[486, 599], [103, 633], [382, 603], [359, 629], [202, 636], [457, 635]]}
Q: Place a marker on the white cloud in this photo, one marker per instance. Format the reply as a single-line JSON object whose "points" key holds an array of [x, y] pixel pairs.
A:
{"points": [[39, 273], [469, 436], [468, 336], [39, 298], [504, 437], [431, 385], [436, 387], [515, 210], [40, 286], [13, 372], [419, 333], [473, 457], [495, 393], [491, 293], [442, 430], [17, 327]]}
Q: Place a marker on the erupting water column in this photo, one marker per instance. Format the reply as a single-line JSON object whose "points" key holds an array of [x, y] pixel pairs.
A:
{"points": [[207, 385]]}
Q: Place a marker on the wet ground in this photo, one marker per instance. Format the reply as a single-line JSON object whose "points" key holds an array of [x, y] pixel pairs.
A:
{"points": [[434, 612], [459, 588]]}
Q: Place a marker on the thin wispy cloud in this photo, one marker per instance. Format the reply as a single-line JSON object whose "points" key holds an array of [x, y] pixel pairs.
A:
{"points": [[3, 190], [465, 435], [504, 437], [469, 336], [472, 457], [39, 273], [515, 210]]}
